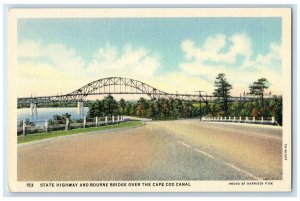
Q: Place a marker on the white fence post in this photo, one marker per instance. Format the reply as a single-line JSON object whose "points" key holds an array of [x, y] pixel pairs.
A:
{"points": [[273, 120], [105, 120], [234, 118], [118, 118], [24, 127], [84, 122], [113, 119], [46, 125], [67, 124], [262, 119], [253, 119], [96, 121], [240, 118], [247, 119]]}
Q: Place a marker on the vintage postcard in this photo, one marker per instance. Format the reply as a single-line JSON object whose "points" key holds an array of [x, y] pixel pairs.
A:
{"points": [[149, 100]]}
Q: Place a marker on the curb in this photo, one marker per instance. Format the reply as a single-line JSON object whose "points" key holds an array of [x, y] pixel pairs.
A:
{"points": [[246, 124]]}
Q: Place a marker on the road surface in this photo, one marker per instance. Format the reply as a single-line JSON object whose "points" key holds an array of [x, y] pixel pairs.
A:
{"points": [[159, 150]]}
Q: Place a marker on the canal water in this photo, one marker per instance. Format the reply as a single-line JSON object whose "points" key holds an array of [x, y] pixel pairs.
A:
{"points": [[44, 114]]}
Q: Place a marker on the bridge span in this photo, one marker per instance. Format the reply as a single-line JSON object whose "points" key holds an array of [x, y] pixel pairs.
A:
{"points": [[117, 85]]}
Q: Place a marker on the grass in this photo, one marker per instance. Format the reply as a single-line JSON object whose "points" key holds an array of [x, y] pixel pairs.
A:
{"points": [[51, 134], [202, 104]]}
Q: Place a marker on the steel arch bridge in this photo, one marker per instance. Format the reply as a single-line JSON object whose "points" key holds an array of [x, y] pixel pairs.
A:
{"points": [[119, 85], [110, 85]]}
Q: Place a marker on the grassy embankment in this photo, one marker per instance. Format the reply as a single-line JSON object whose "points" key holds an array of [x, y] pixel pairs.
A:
{"points": [[51, 134]]}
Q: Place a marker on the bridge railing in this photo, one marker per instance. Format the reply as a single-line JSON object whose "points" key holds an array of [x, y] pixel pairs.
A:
{"points": [[44, 126], [240, 119]]}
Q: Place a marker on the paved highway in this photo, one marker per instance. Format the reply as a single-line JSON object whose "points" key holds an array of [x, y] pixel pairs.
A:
{"points": [[162, 150]]}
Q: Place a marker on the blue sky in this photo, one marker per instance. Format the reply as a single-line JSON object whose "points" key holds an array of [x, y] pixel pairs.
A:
{"points": [[161, 41]]}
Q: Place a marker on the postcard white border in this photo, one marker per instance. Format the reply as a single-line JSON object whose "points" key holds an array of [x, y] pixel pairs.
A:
{"points": [[197, 186]]}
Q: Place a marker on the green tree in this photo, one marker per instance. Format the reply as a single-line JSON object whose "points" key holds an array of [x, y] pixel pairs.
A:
{"points": [[122, 105], [186, 109], [153, 110], [110, 105], [166, 108], [175, 108], [246, 109], [235, 108], [159, 107], [258, 88], [129, 109], [254, 112], [141, 107], [222, 91], [276, 108], [59, 119], [27, 122], [96, 109]]}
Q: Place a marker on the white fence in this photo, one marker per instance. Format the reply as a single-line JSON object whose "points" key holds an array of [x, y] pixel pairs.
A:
{"points": [[248, 120], [86, 122]]}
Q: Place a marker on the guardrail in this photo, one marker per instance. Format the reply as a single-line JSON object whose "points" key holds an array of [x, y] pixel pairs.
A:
{"points": [[247, 120], [69, 124]]}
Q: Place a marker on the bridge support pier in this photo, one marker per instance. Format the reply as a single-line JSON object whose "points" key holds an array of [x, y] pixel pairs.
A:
{"points": [[80, 109], [33, 109]]}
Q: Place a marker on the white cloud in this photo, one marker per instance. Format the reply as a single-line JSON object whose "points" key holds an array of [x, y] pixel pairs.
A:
{"points": [[222, 52], [130, 62], [180, 82], [30, 50], [55, 68], [213, 49]]}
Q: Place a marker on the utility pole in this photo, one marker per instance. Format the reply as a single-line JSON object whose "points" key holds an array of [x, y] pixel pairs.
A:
{"points": [[200, 102]]}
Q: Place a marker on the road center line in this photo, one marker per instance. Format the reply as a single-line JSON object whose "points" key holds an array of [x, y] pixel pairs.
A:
{"points": [[225, 163], [204, 153], [243, 171], [186, 145], [198, 150]]}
